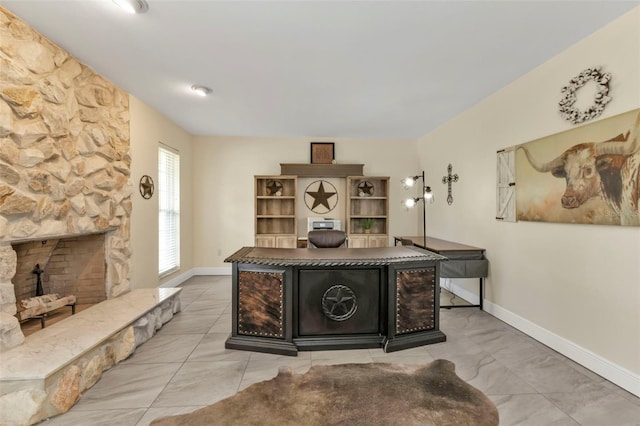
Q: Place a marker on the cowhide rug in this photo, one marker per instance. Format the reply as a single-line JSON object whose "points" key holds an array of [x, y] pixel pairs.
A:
{"points": [[352, 394]]}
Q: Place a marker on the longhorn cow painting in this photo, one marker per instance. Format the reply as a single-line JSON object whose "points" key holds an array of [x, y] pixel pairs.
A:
{"points": [[589, 174]]}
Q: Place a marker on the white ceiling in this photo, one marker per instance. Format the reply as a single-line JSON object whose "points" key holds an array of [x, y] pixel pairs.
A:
{"points": [[364, 69]]}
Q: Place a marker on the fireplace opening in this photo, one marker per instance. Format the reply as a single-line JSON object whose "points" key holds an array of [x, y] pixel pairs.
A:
{"points": [[57, 277]]}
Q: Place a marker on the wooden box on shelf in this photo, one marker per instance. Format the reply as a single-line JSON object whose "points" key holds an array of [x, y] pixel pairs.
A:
{"points": [[368, 211], [275, 211]]}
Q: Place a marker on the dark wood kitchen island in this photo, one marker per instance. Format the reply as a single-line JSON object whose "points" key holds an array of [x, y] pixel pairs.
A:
{"points": [[285, 300]]}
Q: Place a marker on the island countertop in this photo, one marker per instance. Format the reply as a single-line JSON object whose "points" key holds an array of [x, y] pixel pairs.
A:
{"points": [[330, 256]]}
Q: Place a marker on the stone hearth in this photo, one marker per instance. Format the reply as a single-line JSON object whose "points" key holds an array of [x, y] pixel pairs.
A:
{"points": [[47, 374]]}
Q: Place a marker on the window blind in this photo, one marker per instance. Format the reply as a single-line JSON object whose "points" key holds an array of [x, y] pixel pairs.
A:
{"points": [[169, 206]]}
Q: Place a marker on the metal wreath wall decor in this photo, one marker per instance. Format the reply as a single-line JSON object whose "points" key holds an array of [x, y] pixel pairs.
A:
{"points": [[600, 99]]}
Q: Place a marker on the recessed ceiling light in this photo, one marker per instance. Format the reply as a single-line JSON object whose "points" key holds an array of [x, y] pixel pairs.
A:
{"points": [[201, 90], [133, 6]]}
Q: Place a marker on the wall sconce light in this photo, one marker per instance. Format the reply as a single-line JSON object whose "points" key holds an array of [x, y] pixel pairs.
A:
{"points": [[427, 195], [132, 6]]}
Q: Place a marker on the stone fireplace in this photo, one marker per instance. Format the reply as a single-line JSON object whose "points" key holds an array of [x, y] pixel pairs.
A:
{"points": [[64, 161], [65, 188]]}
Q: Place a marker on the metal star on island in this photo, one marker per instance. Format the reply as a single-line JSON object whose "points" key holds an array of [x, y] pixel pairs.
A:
{"points": [[339, 302], [321, 197]]}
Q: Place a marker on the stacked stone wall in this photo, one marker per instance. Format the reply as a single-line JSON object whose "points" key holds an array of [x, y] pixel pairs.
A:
{"points": [[64, 154]]}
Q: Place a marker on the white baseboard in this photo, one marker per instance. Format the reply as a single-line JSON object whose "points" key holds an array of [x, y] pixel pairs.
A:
{"points": [[601, 366], [176, 281], [222, 270], [450, 285]]}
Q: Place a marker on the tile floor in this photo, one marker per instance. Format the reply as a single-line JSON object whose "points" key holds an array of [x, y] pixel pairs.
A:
{"points": [[185, 367]]}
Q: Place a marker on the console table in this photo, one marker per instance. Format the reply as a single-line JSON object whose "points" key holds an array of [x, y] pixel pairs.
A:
{"points": [[285, 300], [464, 261]]}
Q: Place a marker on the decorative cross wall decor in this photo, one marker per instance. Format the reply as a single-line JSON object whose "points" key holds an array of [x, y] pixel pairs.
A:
{"points": [[448, 179]]}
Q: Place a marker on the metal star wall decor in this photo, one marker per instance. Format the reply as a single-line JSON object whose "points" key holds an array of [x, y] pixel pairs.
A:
{"points": [[320, 200], [274, 187], [365, 188], [448, 179], [146, 187]]}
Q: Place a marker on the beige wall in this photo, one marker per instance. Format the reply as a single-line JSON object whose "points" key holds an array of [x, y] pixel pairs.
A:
{"points": [[148, 128], [579, 283], [223, 185]]}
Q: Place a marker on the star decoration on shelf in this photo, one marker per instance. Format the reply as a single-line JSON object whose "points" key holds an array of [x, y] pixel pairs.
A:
{"points": [[146, 187], [365, 188], [321, 197], [274, 187]]}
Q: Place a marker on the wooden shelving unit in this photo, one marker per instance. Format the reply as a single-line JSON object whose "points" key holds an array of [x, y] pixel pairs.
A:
{"points": [[368, 198], [275, 211]]}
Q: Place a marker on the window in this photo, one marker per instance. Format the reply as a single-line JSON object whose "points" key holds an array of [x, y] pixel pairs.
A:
{"points": [[169, 203]]}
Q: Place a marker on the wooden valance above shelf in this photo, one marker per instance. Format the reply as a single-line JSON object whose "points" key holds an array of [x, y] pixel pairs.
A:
{"points": [[322, 170]]}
